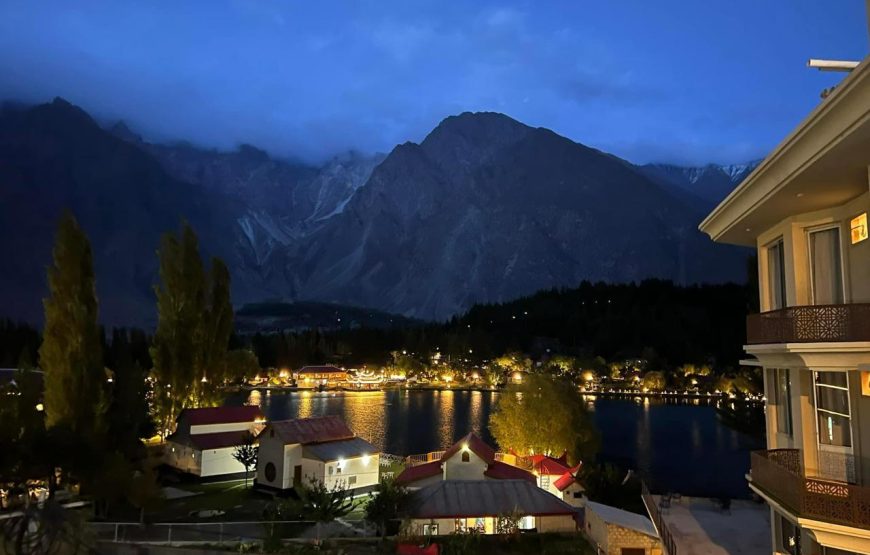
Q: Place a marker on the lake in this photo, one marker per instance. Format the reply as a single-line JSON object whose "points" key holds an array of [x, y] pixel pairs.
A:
{"points": [[677, 444]]}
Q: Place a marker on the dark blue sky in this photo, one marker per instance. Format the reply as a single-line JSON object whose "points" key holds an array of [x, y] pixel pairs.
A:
{"points": [[688, 81]]}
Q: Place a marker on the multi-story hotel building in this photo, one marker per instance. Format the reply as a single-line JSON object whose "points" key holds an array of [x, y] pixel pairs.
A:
{"points": [[804, 209]]}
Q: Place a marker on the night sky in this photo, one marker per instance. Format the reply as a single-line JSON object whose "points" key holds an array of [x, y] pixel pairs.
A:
{"points": [[689, 81]]}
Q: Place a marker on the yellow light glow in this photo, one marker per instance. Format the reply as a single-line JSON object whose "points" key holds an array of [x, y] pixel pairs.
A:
{"points": [[366, 459], [40, 407], [858, 226]]}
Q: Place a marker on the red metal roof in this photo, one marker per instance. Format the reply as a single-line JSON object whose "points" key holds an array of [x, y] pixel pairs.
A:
{"points": [[220, 415], [320, 370], [568, 478], [548, 466], [414, 473], [503, 471], [311, 430], [475, 445]]}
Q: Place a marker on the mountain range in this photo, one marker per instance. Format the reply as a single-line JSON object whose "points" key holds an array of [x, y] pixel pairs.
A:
{"points": [[484, 209]]}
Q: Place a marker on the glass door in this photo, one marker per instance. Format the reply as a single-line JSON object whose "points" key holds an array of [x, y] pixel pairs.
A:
{"points": [[834, 426]]}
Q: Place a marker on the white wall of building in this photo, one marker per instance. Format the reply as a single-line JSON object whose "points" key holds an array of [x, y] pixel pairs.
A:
{"points": [[455, 469], [214, 462]]}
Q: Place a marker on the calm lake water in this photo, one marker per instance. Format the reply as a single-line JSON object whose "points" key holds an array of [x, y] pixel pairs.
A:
{"points": [[678, 445]]}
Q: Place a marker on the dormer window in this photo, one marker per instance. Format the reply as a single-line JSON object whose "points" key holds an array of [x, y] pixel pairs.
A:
{"points": [[466, 457]]}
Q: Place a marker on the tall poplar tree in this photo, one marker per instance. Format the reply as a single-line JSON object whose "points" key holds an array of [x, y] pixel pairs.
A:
{"points": [[176, 351], [195, 319], [70, 354]]}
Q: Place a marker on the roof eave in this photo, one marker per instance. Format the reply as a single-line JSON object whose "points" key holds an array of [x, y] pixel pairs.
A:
{"points": [[761, 181]]}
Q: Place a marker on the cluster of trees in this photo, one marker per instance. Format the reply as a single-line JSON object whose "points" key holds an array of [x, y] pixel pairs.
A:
{"points": [[75, 423], [80, 422], [702, 324]]}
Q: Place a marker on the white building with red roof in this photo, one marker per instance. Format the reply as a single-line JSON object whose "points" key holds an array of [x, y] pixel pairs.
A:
{"points": [[555, 476], [470, 458], [293, 452], [205, 439]]}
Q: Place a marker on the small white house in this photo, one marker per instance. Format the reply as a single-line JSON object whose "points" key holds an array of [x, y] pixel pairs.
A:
{"points": [[294, 452], [205, 439]]}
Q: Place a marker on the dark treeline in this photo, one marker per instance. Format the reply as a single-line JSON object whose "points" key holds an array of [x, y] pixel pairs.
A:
{"points": [[663, 323]]}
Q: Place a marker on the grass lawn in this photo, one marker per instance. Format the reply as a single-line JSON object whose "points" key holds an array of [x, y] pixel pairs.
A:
{"points": [[233, 498]]}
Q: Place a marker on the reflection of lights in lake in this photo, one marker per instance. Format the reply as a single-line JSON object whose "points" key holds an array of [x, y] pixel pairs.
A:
{"points": [[445, 418], [476, 411], [255, 398]]}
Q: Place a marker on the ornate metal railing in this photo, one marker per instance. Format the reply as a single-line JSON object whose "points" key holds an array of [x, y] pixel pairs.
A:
{"points": [[780, 474], [809, 324]]}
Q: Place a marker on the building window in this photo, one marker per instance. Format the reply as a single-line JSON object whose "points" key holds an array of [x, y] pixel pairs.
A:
{"points": [[269, 471], [465, 456], [527, 523], [331, 470], [430, 529], [351, 480], [459, 525], [782, 399], [776, 274], [832, 409], [826, 270]]}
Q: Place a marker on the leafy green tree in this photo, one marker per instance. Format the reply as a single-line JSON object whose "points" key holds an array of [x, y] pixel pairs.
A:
{"points": [[387, 504], [195, 319], [322, 504], [654, 381], [70, 354], [544, 415], [128, 415], [181, 303], [241, 364], [216, 328], [246, 454]]}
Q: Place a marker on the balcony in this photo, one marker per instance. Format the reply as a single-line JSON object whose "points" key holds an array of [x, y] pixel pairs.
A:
{"points": [[810, 324], [779, 474]]}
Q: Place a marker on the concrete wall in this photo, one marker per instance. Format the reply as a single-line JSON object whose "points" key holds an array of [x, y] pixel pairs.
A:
{"points": [[611, 538], [214, 462], [365, 470], [272, 449], [455, 469], [218, 428], [182, 457]]}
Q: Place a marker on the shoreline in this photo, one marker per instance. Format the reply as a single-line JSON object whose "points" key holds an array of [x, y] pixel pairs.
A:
{"points": [[467, 388]]}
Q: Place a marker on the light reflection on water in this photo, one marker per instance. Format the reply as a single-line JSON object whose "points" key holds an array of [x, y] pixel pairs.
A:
{"points": [[677, 444]]}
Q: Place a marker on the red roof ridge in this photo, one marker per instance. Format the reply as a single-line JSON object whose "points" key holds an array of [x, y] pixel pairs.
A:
{"points": [[418, 472], [504, 471], [474, 444]]}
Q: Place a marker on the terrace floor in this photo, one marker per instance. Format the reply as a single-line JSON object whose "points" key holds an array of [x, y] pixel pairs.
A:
{"points": [[699, 525]]}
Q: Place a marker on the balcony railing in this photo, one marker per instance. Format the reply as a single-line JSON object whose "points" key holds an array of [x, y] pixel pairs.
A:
{"points": [[810, 324], [780, 474]]}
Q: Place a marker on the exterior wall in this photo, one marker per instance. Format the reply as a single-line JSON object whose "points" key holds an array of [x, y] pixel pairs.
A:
{"points": [[455, 469], [366, 470], [182, 457], [556, 523], [284, 457], [793, 230], [611, 538], [214, 462], [573, 495], [216, 428], [553, 523]]}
